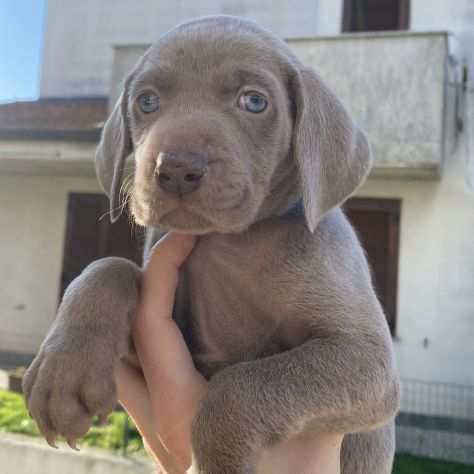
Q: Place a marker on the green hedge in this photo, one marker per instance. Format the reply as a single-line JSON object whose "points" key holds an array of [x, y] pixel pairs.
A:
{"points": [[406, 464], [14, 418]]}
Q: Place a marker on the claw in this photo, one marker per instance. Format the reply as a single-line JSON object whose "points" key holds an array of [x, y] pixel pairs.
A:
{"points": [[72, 444], [50, 439]]}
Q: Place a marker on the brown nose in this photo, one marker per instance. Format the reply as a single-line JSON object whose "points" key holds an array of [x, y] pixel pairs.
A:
{"points": [[180, 172]]}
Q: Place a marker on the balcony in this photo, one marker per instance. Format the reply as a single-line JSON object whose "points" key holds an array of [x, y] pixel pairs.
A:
{"points": [[393, 83]]}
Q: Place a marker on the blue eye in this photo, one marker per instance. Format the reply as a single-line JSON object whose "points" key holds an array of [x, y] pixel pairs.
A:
{"points": [[148, 102], [253, 102]]}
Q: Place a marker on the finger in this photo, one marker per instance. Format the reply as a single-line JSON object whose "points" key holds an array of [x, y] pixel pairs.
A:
{"points": [[160, 277], [173, 249]]}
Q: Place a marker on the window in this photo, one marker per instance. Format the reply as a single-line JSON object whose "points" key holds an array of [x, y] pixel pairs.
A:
{"points": [[375, 15], [377, 223], [90, 235]]}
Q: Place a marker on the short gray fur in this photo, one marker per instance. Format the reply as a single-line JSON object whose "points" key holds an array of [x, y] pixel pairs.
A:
{"points": [[277, 307]]}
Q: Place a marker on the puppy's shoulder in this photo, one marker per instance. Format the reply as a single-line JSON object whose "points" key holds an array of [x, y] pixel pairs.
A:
{"points": [[332, 251], [333, 234]]}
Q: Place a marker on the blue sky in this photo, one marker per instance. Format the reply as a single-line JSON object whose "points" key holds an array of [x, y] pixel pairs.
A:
{"points": [[21, 31]]}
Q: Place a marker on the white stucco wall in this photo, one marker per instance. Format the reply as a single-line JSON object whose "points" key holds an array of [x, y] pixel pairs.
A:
{"points": [[456, 16], [33, 219], [436, 272], [78, 40], [435, 325], [77, 50]]}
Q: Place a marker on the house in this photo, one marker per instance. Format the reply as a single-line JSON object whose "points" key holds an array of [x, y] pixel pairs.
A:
{"points": [[404, 69]]}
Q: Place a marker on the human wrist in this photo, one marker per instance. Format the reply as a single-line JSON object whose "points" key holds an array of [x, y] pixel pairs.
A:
{"points": [[317, 454], [174, 409]]}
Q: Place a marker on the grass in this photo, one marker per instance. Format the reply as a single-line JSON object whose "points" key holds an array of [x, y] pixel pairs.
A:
{"points": [[407, 464], [14, 418]]}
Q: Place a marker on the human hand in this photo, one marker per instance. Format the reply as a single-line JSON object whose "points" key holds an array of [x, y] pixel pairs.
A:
{"points": [[175, 386]]}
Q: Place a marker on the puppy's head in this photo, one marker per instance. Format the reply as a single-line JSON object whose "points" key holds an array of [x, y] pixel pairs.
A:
{"points": [[227, 127]]}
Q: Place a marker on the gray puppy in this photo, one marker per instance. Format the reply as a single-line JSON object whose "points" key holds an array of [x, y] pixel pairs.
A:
{"points": [[237, 141]]}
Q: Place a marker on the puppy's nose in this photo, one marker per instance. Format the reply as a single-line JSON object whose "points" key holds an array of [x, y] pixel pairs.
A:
{"points": [[180, 172]]}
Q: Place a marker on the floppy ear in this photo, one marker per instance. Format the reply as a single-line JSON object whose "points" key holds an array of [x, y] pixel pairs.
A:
{"points": [[332, 153], [114, 147]]}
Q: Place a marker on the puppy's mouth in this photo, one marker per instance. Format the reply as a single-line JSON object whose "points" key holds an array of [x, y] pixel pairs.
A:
{"points": [[190, 214], [184, 220]]}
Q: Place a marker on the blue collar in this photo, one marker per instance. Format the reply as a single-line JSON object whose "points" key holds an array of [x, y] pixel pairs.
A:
{"points": [[297, 209]]}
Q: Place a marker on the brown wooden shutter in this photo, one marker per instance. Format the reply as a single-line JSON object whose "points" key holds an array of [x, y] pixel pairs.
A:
{"points": [[90, 235], [377, 222]]}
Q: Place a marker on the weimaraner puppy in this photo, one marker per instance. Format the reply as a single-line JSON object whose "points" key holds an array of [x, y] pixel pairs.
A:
{"points": [[238, 142]]}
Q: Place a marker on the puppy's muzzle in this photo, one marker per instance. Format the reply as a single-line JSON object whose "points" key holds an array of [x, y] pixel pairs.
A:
{"points": [[181, 172]]}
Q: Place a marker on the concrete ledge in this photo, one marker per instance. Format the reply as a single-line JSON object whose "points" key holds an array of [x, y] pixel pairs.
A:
{"points": [[22, 454]]}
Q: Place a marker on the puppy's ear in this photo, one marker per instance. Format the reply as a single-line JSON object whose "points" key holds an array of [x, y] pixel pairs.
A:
{"points": [[114, 147], [332, 153]]}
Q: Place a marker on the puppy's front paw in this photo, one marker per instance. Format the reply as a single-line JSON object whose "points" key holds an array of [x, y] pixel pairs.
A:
{"points": [[228, 432], [64, 390]]}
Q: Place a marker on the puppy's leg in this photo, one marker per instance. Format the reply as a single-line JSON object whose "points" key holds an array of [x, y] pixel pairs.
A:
{"points": [[72, 377], [337, 384], [369, 452]]}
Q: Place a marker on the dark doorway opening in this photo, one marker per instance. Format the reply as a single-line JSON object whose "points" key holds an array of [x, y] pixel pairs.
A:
{"points": [[90, 235]]}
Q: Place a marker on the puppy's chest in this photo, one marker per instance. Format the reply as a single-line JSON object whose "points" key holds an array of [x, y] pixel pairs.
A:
{"points": [[235, 308]]}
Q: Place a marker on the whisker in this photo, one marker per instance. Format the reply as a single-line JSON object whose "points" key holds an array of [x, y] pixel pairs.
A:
{"points": [[124, 196], [109, 212]]}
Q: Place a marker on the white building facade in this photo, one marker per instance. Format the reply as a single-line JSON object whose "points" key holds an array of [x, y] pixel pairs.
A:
{"points": [[424, 174]]}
